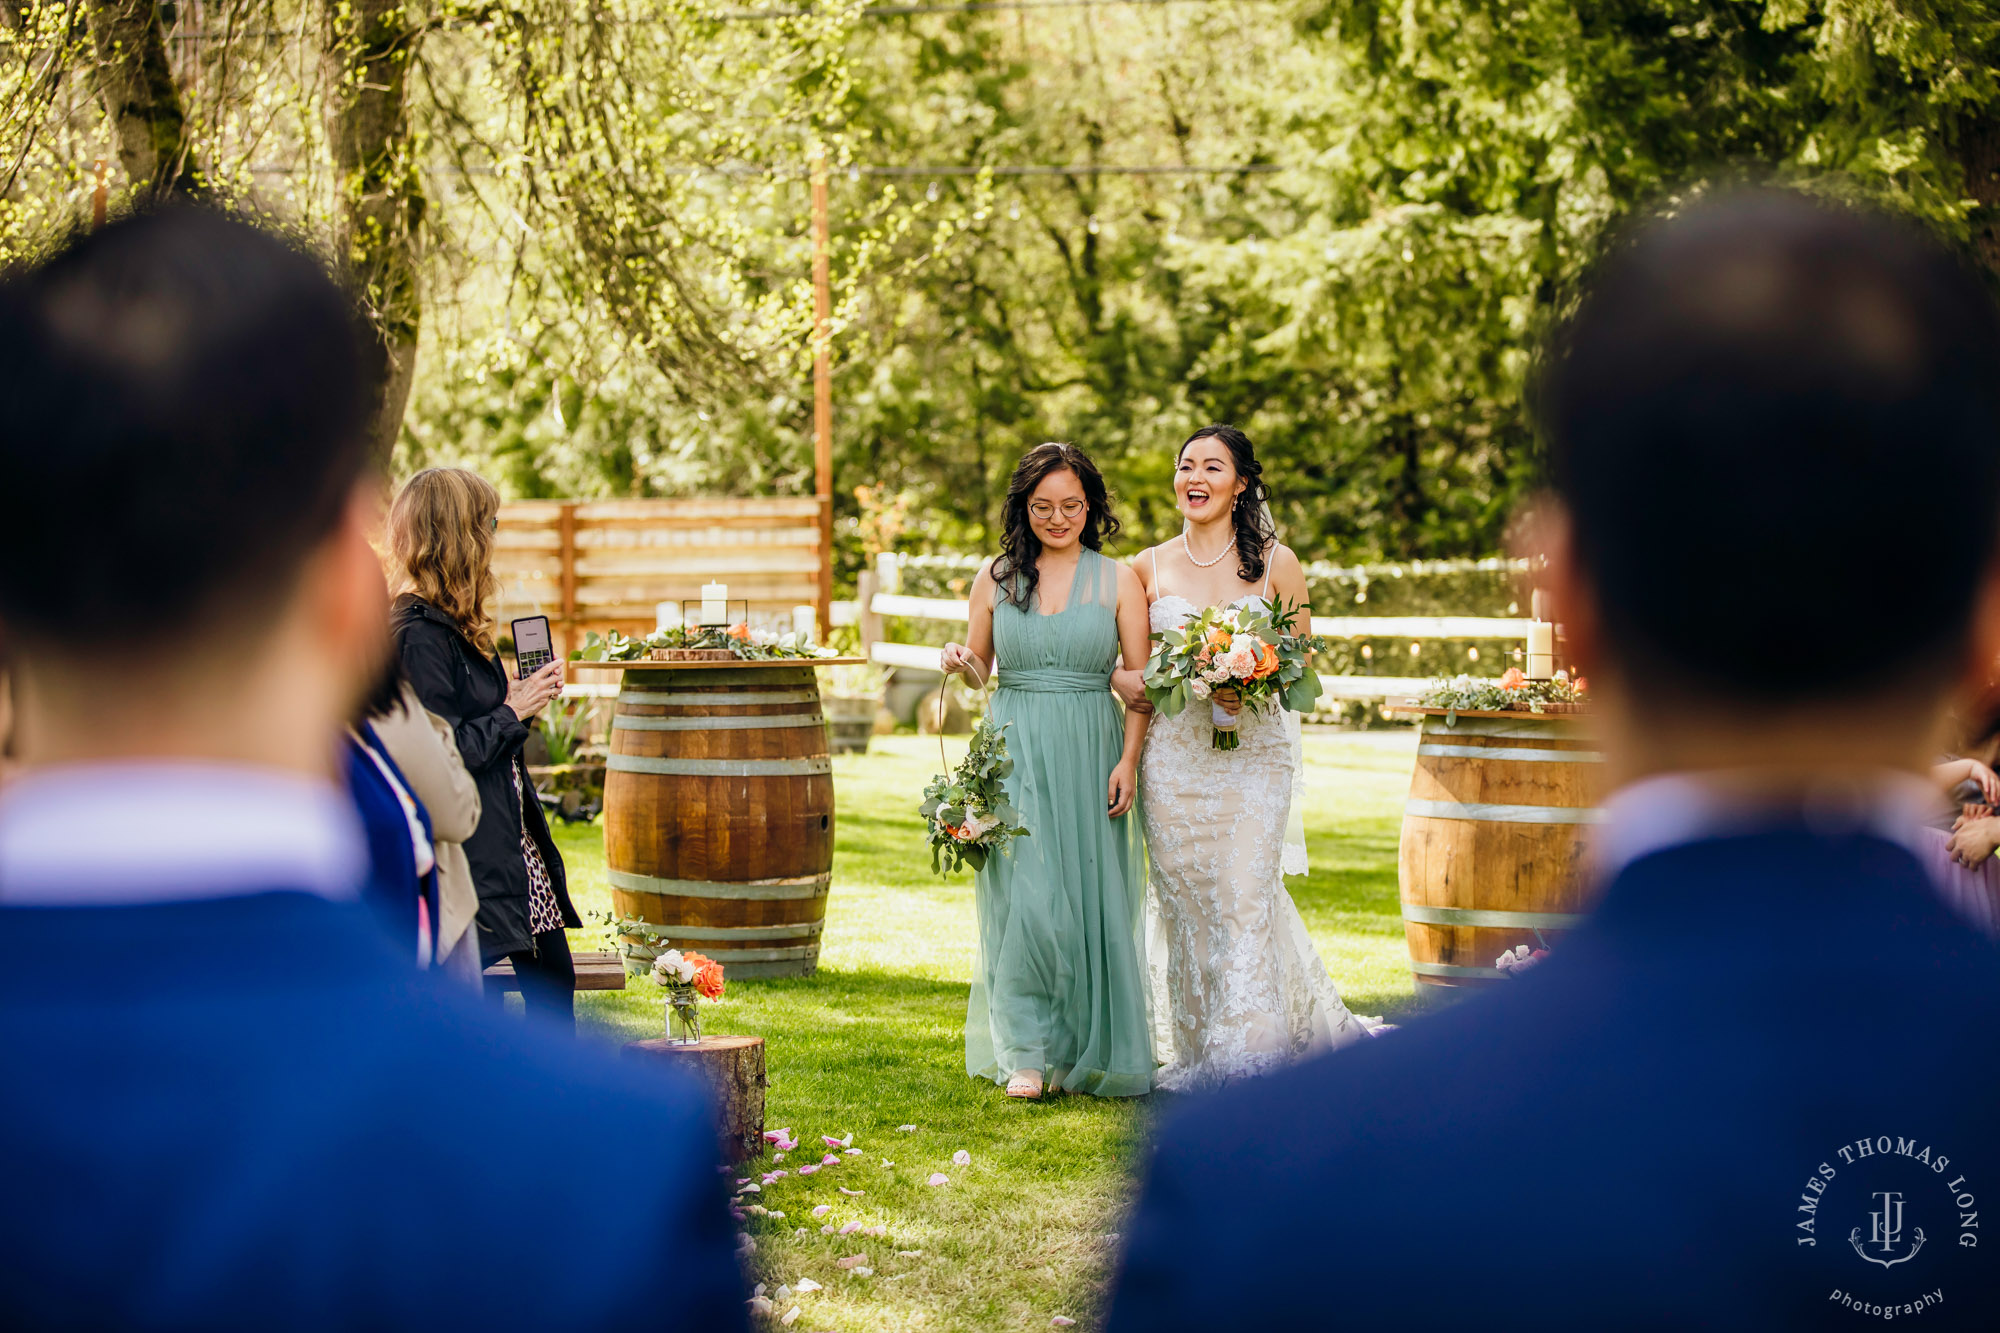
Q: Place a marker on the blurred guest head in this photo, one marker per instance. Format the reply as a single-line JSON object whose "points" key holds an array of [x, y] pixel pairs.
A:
{"points": [[441, 535], [1774, 437], [184, 402]]}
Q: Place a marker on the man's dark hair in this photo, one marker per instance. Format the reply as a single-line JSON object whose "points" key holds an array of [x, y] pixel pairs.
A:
{"points": [[184, 404], [1776, 426]]}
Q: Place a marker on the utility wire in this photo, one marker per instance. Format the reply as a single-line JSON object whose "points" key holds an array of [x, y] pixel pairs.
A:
{"points": [[765, 15], [1078, 169]]}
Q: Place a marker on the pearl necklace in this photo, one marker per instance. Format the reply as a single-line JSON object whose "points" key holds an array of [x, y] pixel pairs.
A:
{"points": [[1205, 564]]}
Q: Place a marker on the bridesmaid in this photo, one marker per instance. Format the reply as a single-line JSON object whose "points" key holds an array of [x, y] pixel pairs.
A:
{"points": [[1059, 992]]}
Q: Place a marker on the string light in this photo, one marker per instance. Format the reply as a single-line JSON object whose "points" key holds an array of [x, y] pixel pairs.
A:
{"points": [[1416, 648], [1472, 653]]}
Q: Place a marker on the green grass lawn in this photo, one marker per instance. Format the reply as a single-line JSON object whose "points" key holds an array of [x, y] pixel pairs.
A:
{"points": [[874, 1042]]}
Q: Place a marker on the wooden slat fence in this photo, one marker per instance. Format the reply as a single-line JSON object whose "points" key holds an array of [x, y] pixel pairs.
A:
{"points": [[605, 564]]}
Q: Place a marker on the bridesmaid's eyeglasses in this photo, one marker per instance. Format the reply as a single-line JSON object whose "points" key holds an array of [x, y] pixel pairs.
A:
{"points": [[1045, 511]]}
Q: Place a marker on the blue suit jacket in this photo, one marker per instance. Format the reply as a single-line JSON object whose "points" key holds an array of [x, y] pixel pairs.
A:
{"points": [[252, 1114], [1688, 1116]]}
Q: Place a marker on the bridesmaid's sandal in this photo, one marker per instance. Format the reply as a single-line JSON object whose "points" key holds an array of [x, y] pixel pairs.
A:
{"points": [[1026, 1085]]}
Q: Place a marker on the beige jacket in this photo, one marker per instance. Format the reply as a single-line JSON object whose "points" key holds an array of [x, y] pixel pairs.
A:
{"points": [[423, 747]]}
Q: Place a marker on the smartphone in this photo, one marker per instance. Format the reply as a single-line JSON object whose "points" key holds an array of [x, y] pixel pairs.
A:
{"points": [[533, 649]]}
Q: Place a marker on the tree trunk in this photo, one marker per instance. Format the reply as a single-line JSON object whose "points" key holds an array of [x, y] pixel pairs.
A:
{"points": [[141, 98], [1976, 143], [732, 1071], [369, 47]]}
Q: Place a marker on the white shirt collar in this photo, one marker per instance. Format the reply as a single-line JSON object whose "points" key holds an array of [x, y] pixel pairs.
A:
{"points": [[1673, 809], [134, 832]]}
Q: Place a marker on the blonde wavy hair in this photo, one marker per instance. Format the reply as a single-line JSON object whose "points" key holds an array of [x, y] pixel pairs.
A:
{"points": [[441, 538]]}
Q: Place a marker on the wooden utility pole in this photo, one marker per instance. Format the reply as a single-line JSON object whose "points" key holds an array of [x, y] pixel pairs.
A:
{"points": [[822, 387]]}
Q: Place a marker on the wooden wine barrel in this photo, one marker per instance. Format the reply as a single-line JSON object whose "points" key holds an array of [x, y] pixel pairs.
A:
{"points": [[718, 813], [1493, 840]]}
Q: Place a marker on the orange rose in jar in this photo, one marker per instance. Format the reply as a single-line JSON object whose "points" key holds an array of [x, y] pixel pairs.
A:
{"points": [[707, 975], [1513, 679], [740, 632]]}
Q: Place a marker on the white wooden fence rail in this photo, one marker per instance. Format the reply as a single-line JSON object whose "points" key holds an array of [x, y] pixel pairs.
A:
{"points": [[1333, 627]]}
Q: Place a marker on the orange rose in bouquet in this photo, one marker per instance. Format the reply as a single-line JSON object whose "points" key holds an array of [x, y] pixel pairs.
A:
{"points": [[1268, 662]]}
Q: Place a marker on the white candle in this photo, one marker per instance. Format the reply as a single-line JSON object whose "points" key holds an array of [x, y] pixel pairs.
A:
{"points": [[804, 621], [666, 615], [714, 603], [1541, 650]]}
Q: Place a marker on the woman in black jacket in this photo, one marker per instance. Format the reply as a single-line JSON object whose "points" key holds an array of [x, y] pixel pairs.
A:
{"points": [[441, 534]]}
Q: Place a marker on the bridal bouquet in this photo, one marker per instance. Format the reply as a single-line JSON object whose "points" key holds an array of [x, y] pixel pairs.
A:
{"points": [[1254, 652], [966, 811]]}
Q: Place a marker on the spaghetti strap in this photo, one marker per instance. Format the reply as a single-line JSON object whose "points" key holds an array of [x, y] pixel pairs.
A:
{"points": [[1153, 554], [1270, 557]]}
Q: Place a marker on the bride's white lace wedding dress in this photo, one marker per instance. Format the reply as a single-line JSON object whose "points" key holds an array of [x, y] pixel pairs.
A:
{"points": [[1239, 988]]}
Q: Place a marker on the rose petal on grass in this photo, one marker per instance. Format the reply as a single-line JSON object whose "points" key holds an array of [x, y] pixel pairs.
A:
{"points": [[776, 1213], [864, 1271], [760, 1306], [776, 1135], [886, 1164], [874, 1231], [831, 1141], [777, 1157], [853, 1152], [850, 1228], [909, 1254], [826, 1230], [791, 1316], [809, 1168], [807, 1284], [961, 1158], [801, 1233], [907, 1129], [1062, 1321], [829, 1160], [938, 1178], [823, 1210], [852, 1193], [852, 1261], [749, 1187], [783, 1293]]}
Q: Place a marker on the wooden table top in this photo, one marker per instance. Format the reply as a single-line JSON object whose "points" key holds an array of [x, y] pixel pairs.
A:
{"points": [[1550, 711]]}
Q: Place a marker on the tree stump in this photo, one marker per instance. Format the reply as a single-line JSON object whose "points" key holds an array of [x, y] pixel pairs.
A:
{"points": [[732, 1069]]}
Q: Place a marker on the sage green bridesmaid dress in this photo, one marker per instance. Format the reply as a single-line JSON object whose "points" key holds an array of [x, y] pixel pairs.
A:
{"points": [[1060, 982]]}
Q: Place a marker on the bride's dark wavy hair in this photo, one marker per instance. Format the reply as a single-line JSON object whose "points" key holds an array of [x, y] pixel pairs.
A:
{"points": [[1255, 535], [1014, 569]]}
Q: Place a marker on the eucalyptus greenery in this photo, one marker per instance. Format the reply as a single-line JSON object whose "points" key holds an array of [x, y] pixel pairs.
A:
{"points": [[972, 799]]}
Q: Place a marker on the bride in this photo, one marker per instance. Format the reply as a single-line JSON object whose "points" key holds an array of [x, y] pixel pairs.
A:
{"points": [[1239, 988]]}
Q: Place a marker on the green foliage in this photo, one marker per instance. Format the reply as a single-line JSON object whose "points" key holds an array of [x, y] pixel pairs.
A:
{"points": [[616, 246], [966, 812], [565, 726]]}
